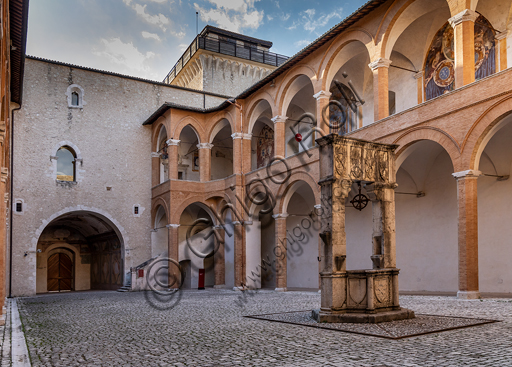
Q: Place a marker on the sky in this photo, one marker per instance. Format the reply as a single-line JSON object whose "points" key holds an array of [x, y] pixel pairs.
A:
{"points": [[145, 38]]}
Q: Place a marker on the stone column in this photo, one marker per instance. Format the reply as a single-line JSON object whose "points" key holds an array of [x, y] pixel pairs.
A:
{"points": [[155, 168], [172, 151], [501, 51], [237, 153], [218, 257], [380, 88], [464, 40], [239, 244], [467, 195], [280, 251], [419, 77], [279, 135], [205, 161], [322, 113], [384, 234], [173, 249]]}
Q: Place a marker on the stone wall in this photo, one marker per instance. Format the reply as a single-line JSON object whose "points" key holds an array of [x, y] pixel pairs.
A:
{"points": [[107, 133]]}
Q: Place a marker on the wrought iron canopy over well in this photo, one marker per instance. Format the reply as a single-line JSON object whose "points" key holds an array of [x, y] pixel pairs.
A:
{"points": [[358, 295]]}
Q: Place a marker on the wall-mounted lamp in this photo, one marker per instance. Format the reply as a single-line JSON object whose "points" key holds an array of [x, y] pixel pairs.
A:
{"points": [[31, 252]]}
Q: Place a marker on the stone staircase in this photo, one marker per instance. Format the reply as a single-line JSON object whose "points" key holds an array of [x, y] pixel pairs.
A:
{"points": [[127, 284]]}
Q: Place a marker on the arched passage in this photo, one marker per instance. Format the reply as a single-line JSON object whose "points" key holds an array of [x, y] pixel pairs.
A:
{"points": [[162, 150], [198, 245], [426, 219], [160, 233], [302, 266], [262, 140], [92, 244], [222, 150], [494, 215], [301, 115], [188, 155]]}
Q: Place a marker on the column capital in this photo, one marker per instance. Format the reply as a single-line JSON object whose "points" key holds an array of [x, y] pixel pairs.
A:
{"points": [[379, 63], [470, 173], [322, 94], [501, 36], [419, 74], [172, 225], [280, 216], [467, 15], [241, 136], [153, 155], [204, 146], [278, 118], [173, 142]]}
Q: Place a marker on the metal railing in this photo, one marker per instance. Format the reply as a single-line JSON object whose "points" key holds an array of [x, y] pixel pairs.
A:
{"points": [[225, 48]]}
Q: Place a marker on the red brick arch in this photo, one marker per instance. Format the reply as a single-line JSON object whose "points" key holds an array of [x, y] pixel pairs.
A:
{"points": [[196, 126], [284, 189]]}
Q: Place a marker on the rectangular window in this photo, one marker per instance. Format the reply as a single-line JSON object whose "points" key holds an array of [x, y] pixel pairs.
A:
{"points": [[135, 210], [19, 207]]}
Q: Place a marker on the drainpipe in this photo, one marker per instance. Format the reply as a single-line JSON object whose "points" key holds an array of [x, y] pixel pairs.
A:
{"points": [[11, 194]]}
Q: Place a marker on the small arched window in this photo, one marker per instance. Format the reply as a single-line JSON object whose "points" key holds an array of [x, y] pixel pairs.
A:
{"points": [[66, 159], [75, 99]]}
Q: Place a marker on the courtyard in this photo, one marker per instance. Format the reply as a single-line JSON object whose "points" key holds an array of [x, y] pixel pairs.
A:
{"points": [[208, 328]]}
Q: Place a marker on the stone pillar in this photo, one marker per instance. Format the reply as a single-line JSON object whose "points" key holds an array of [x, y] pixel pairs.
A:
{"points": [[279, 136], [384, 235], [280, 251], [467, 195], [464, 40], [218, 257], [322, 113], [172, 151], [419, 77], [501, 51], [239, 244], [380, 88], [334, 244], [237, 153], [155, 168], [205, 161], [173, 248]]}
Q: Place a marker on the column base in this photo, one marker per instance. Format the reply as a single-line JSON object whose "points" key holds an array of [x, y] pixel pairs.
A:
{"points": [[364, 318], [280, 289], [468, 295], [219, 286], [2, 320]]}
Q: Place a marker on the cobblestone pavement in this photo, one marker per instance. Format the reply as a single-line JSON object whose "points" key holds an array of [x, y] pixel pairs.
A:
{"points": [[206, 328]]}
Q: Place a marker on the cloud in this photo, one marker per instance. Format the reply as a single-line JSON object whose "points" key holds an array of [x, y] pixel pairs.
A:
{"points": [[182, 47], [125, 55], [157, 1], [284, 17], [233, 15], [178, 34], [269, 17], [150, 35], [277, 4], [309, 22], [302, 43], [159, 20]]}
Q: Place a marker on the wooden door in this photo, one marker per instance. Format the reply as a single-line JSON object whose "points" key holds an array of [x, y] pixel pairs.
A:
{"points": [[60, 273]]}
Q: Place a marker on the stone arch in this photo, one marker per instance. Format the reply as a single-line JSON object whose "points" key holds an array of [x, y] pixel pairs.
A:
{"points": [[482, 130], [329, 65], [176, 215], [194, 124], [284, 96], [78, 159], [287, 189], [254, 111], [217, 126], [157, 127], [154, 208], [120, 231], [439, 136], [223, 115]]}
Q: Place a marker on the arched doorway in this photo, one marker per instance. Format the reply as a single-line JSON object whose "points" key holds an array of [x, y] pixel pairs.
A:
{"points": [[80, 250]]}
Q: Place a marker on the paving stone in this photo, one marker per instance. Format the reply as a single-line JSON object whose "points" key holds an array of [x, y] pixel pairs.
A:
{"points": [[207, 328]]}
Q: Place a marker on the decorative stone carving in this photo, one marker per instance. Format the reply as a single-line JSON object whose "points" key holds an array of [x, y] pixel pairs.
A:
{"points": [[358, 295]]}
